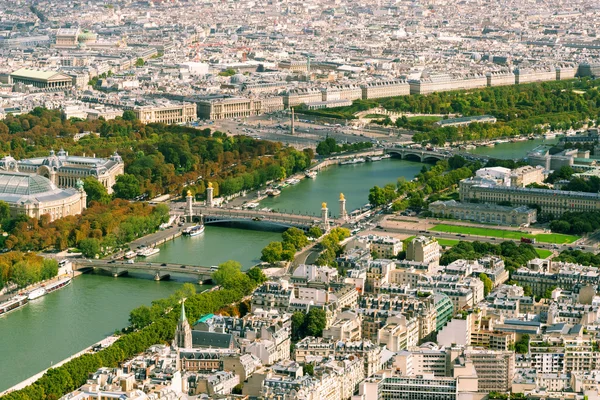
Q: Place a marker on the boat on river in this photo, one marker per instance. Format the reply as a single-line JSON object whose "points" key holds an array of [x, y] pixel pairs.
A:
{"points": [[35, 293], [194, 230], [353, 161], [13, 304], [53, 287], [148, 251], [311, 174], [130, 254]]}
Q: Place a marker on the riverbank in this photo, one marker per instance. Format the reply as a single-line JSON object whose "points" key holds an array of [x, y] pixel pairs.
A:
{"points": [[104, 343]]}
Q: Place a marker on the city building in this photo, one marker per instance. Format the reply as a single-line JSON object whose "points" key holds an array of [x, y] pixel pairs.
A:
{"points": [[47, 80], [555, 202], [65, 171], [423, 249], [35, 195], [166, 113], [484, 212]]}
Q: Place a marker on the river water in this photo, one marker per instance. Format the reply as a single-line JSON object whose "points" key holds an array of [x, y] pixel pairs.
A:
{"points": [[53, 327], [512, 150]]}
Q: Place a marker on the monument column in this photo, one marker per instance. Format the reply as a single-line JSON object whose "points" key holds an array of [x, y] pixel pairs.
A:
{"points": [[190, 202], [209, 195], [325, 215], [343, 214]]}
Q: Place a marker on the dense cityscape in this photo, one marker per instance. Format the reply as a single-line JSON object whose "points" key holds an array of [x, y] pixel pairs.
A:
{"points": [[322, 200]]}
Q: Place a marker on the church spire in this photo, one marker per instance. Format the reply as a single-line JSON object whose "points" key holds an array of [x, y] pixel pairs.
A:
{"points": [[182, 318], [183, 333]]}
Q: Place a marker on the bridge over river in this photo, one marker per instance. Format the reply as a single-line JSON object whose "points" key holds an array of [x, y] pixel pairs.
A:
{"points": [[161, 271], [424, 155]]}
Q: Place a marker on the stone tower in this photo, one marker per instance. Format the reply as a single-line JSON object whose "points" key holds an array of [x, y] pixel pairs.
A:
{"points": [[209, 194], [325, 215], [343, 213], [190, 202], [183, 333]]}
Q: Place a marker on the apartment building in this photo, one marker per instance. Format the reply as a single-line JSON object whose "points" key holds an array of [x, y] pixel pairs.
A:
{"points": [[495, 369], [529, 75], [381, 89], [423, 249], [500, 78], [445, 82]]}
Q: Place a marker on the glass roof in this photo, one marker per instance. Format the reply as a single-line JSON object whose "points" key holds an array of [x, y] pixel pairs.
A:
{"points": [[24, 184]]}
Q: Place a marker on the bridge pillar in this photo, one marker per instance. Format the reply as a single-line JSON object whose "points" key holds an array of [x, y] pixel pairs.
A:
{"points": [[325, 215], [116, 272], [209, 195], [343, 213], [159, 277], [189, 202]]}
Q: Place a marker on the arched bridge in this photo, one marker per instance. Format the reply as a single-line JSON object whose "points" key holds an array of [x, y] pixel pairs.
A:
{"points": [[161, 271], [215, 215], [417, 154]]}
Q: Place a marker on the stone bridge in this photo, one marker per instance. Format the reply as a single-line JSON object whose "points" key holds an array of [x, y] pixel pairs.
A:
{"points": [[161, 271], [422, 155], [418, 154], [211, 215]]}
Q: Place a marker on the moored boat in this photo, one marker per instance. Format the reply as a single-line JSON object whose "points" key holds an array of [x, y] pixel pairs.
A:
{"points": [[58, 285], [13, 304], [148, 251], [130, 254], [194, 230], [35, 293]]}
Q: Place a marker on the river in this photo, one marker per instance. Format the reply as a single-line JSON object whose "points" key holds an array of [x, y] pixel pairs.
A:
{"points": [[512, 150], [354, 181], [53, 327]]}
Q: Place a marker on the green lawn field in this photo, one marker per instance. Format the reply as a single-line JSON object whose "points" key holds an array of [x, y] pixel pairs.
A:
{"points": [[558, 238], [543, 253], [425, 118], [448, 242]]}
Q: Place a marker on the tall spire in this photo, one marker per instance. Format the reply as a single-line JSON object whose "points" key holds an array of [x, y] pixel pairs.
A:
{"points": [[183, 333], [182, 318]]}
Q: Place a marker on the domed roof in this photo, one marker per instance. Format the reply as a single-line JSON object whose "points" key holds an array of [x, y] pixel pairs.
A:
{"points": [[237, 78], [24, 184], [52, 160]]}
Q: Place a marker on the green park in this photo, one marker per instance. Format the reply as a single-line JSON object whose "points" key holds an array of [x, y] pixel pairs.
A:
{"points": [[557, 238]]}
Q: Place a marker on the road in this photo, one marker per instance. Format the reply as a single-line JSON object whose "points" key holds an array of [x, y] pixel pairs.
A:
{"points": [[307, 134]]}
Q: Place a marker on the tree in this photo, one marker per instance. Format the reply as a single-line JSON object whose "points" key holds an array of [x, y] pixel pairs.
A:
{"points": [[308, 369], [522, 346], [95, 191], [315, 322], [89, 247], [4, 212], [256, 275], [139, 62], [487, 284], [127, 187], [297, 325], [129, 115], [272, 252], [140, 317], [295, 237], [229, 275], [315, 232]]}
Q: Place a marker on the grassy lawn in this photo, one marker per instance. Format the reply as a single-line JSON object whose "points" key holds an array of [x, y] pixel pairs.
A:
{"points": [[375, 116], [425, 118], [543, 253], [505, 234], [447, 242]]}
